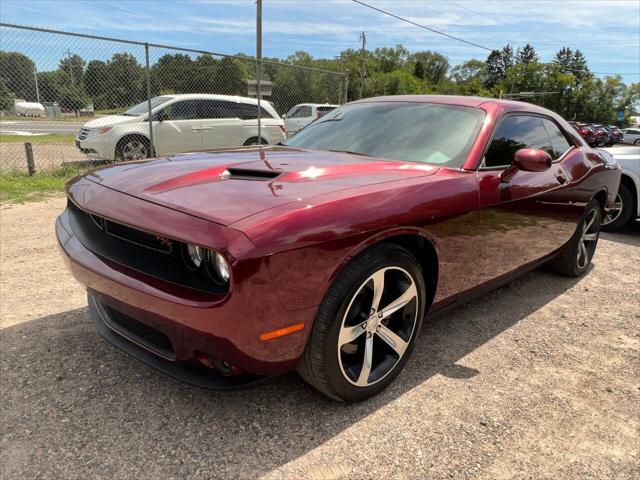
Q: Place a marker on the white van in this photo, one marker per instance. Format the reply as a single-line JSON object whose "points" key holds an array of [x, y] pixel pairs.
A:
{"points": [[303, 114], [181, 123]]}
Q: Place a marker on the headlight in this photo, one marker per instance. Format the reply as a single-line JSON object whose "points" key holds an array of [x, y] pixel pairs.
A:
{"points": [[221, 267], [215, 262], [196, 254]]}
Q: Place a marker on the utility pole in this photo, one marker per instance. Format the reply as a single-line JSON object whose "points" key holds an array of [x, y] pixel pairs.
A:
{"points": [[259, 65], [363, 39], [35, 77], [69, 54]]}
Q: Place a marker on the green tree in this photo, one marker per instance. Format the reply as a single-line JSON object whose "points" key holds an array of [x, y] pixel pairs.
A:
{"points": [[72, 98], [6, 98], [73, 67], [96, 82], [527, 55], [418, 70], [229, 79], [17, 73], [435, 65]]}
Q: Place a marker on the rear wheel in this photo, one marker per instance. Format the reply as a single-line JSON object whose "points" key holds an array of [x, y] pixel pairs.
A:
{"points": [[366, 325], [622, 210], [576, 256], [133, 147], [637, 141]]}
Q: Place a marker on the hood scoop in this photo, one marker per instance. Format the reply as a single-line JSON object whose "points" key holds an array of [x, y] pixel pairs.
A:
{"points": [[249, 174]]}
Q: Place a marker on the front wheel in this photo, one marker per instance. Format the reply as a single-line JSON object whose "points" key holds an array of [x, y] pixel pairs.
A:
{"points": [[575, 257], [134, 147], [366, 326]]}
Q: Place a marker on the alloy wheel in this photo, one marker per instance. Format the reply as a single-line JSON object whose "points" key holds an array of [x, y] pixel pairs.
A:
{"points": [[134, 150], [588, 239], [377, 326], [613, 214]]}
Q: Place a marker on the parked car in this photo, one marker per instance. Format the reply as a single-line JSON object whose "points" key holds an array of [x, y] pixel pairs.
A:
{"points": [[601, 134], [303, 114], [627, 202], [616, 133], [631, 135], [585, 131], [324, 254], [181, 123]]}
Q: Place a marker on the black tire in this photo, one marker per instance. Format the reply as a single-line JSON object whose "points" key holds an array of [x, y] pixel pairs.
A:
{"points": [[320, 365], [125, 142], [637, 141], [568, 262], [255, 141], [625, 196]]}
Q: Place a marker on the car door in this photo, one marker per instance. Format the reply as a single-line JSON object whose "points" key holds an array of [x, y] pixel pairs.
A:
{"points": [[521, 213], [178, 128], [222, 124], [299, 119]]}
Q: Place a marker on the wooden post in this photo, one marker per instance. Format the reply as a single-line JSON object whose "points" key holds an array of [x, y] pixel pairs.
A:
{"points": [[31, 165]]}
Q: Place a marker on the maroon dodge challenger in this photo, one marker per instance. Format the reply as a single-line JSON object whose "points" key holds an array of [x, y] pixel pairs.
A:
{"points": [[227, 267]]}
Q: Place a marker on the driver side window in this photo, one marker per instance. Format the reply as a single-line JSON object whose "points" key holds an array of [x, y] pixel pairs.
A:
{"points": [[513, 133], [185, 110]]}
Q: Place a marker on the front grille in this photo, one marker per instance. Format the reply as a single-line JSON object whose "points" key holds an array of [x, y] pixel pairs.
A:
{"points": [[83, 133], [160, 257], [139, 333]]}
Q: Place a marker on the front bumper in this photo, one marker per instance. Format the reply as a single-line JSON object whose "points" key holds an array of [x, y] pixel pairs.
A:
{"points": [[98, 147], [225, 329]]}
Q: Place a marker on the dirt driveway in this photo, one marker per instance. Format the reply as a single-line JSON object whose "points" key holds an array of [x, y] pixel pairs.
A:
{"points": [[540, 379]]}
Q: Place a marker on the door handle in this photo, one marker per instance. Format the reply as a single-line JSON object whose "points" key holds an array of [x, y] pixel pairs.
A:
{"points": [[561, 178]]}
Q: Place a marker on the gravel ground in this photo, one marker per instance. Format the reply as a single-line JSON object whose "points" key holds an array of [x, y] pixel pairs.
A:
{"points": [[539, 379], [46, 156]]}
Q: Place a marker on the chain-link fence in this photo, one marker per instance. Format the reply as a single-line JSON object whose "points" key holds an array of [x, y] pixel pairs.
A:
{"points": [[75, 98]]}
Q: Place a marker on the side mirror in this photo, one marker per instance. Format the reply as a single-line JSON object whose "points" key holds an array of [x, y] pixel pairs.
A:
{"points": [[532, 160], [527, 160], [161, 116]]}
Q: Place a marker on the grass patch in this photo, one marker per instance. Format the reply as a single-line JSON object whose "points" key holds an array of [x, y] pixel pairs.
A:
{"points": [[19, 187], [52, 138]]}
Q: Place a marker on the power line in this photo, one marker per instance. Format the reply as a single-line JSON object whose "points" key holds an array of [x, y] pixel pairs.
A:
{"points": [[422, 26], [471, 43]]}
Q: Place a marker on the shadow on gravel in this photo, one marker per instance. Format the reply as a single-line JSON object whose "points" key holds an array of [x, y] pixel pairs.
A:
{"points": [[73, 405], [629, 234]]}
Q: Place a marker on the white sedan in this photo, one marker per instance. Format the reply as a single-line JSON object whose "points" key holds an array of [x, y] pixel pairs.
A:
{"points": [[631, 136], [181, 123], [627, 206], [303, 114]]}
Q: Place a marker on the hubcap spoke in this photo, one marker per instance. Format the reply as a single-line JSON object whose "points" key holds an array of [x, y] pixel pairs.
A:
{"points": [[590, 237], [400, 302], [588, 225], [349, 334], [363, 378], [392, 339], [378, 288]]}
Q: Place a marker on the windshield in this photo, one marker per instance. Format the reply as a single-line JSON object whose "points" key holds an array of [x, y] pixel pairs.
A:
{"points": [[406, 131], [143, 107]]}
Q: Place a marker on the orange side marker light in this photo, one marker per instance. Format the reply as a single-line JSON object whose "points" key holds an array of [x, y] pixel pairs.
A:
{"points": [[281, 332]]}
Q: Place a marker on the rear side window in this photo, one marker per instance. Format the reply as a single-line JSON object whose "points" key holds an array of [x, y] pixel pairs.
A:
{"points": [[225, 109], [323, 110], [558, 140], [513, 133], [302, 112]]}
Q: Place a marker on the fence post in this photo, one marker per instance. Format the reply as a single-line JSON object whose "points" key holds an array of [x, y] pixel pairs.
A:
{"points": [[345, 98], [31, 165], [259, 65], [148, 75]]}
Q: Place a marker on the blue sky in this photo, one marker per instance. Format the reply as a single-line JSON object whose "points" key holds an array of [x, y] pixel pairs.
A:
{"points": [[607, 31]]}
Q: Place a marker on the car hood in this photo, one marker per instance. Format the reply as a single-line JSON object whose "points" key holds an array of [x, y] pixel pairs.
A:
{"points": [[109, 121], [225, 186]]}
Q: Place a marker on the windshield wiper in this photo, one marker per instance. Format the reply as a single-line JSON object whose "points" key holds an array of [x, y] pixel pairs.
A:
{"points": [[350, 152]]}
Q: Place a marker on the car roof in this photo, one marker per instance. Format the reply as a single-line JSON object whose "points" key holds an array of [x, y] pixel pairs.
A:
{"points": [[210, 96], [488, 103]]}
